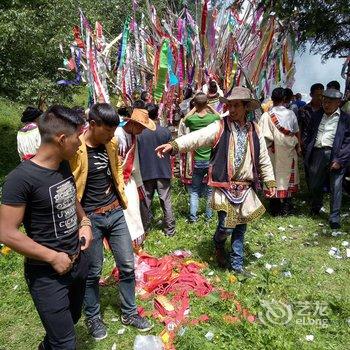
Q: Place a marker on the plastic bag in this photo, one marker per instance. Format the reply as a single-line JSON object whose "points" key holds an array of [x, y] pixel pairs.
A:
{"points": [[148, 342]]}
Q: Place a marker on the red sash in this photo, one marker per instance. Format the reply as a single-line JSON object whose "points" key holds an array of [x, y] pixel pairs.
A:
{"points": [[129, 160], [279, 127]]}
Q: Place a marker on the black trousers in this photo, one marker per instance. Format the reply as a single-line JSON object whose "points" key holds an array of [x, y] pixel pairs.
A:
{"points": [[319, 174], [163, 187], [58, 300]]}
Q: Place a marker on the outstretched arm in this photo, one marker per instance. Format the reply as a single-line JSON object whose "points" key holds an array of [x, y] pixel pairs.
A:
{"points": [[201, 138]]}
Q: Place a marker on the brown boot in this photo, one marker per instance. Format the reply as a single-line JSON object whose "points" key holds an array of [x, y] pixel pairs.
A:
{"points": [[221, 257]]}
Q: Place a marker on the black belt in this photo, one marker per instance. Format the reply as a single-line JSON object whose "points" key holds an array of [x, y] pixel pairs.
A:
{"points": [[325, 148]]}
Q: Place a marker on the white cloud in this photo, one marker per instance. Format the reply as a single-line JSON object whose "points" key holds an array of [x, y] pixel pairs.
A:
{"points": [[310, 70]]}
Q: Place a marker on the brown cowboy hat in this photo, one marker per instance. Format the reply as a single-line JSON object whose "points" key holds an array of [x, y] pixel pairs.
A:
{"points": [[140, 116], [240, 93]]}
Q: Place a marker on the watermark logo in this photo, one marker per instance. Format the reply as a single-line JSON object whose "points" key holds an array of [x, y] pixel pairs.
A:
{"points": [[275, 313], [304, 313]]}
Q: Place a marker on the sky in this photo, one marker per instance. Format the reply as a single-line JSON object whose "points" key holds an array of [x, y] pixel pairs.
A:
{"points": [[310, 70]]}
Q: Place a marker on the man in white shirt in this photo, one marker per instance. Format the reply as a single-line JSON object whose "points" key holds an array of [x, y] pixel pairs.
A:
{"points": [[328, 153]]}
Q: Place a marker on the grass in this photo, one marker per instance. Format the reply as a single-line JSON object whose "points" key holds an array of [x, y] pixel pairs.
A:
{"points": [[301, 252], [304, 255], [9, 124]]}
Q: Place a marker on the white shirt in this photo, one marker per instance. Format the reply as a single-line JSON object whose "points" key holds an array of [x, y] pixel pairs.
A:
{"points": [[327, 129], [28, 140], [286, 118]]}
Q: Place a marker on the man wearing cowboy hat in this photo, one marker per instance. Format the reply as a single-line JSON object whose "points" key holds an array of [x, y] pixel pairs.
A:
{"points": [[239, 158], [100, 189], [134, 189], [328, 153]]}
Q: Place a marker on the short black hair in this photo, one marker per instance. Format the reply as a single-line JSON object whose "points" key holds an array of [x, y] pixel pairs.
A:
{"points": [[213, 87], [143, 95], [140, 104], [333, 85], [80, 110], [316, 86], [188, 92], [103, 113], [278, 95], [125, 111], [58, 120], [152, 110], [288, 94]]}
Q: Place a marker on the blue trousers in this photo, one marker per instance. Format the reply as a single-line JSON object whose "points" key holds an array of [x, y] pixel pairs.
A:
{"points": [[113, 226], [199, 172], [237, 240]]}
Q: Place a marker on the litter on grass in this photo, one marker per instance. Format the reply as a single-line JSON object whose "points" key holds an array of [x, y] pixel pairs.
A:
{"points": [[121, 331], [310, 337], [148, 342], [182, 331], [337, 233], [209, 336]]}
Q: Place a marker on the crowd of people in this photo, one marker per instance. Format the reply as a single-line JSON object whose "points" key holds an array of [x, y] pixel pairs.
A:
{"points": [[88, 178]]}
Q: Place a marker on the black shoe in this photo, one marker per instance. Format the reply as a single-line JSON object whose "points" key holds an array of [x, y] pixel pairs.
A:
{"points": [[242, 272], [221, 257], [315, 211], [334, 225], [96, 327], [41, 346], [169, 234], [141, 323]]}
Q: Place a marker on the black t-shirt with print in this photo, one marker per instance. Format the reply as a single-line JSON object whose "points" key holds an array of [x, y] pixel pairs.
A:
{"points": [[50, 217], [99, 190]]}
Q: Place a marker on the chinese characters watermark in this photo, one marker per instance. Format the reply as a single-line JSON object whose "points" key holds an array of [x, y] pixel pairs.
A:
{"points": [[305, 313]]}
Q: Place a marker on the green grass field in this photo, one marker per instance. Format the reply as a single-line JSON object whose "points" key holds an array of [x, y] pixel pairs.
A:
{"points": [[319, 302]]}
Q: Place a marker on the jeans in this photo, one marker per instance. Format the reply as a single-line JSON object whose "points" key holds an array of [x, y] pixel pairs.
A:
{"points": [[319, 173], [111, 225], [163, 188], [237, 239], [58, 300], [199, 172]]}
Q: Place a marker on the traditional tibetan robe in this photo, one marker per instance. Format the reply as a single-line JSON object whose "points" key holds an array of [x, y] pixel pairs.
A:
{"points": [[133, 181], [279, 128], [239, 160]]}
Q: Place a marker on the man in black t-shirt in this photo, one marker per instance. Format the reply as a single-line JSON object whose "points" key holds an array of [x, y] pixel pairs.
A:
{"points": [[41, 194], [98, 174]]}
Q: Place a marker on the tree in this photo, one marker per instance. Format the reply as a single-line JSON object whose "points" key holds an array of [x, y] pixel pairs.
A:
{"points": [[326, 23], [30, 35]]}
